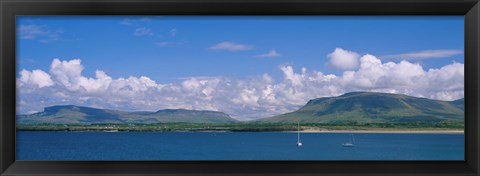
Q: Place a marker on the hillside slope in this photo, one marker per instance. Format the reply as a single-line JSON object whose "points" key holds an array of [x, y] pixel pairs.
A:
{"points": [[70, 114], [369, 107]]}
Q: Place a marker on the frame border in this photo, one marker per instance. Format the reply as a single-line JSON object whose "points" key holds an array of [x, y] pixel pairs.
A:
{"points": [[470, 9]]}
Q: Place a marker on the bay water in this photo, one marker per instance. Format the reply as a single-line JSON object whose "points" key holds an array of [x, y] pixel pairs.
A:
{"points": [[236, 146]]}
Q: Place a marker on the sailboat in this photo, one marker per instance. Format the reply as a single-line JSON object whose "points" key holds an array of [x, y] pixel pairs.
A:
{"points": [[350, 143], [299, 143]]}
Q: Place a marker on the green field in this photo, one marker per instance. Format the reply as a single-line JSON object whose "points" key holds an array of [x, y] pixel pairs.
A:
{"points": [[244, 127]]}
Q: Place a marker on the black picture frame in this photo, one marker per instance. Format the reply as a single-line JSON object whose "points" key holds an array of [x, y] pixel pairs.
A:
{"points": [[9, 9]]}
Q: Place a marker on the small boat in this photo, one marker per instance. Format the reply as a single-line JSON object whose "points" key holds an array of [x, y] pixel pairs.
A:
{"points": [[350, 143], [299, 143]]}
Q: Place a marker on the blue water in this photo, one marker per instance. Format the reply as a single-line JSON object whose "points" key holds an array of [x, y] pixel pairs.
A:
{"points": [[235, 146]]}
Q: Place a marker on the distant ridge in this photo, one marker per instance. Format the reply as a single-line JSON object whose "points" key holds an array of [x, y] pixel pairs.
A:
{"points": [[353, 107], [70, 114], [370, 107]]}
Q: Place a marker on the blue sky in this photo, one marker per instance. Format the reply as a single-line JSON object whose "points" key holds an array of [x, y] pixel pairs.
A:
{"points": [[109, 43], [172, 49]]}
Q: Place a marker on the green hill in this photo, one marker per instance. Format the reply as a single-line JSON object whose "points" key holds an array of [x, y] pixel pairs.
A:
{"points": [[460, 103], [70, 114], [369, 107]]}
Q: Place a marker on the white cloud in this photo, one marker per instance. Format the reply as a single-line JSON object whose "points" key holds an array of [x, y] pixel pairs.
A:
{"points": [[173, 32], [168, 43], [230, 46], [163, 44], [134, 21], [126, 22], [31, 31], [250, 98], [270, 54], [36, 78], [343, 59], [425, 54], [68, 73], [373, 74], [142, 31], [291, 76], [40, 33]]}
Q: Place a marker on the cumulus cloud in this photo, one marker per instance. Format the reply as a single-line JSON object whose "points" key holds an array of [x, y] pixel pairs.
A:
{"points": [[230, 46], [270, 54], [142, 31], [406, 78], [250, 98], [343, 59], [35, 78], [426, 54]]}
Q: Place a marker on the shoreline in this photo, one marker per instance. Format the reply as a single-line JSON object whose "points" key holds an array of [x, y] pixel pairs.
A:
{"points": [[385, 131], [304, 131]]}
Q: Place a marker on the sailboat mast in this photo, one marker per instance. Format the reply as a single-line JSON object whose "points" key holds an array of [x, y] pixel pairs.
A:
{"points": [[353, 137], [298, 131]]}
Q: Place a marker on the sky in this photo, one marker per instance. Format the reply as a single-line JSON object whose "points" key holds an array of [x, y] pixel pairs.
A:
{"points": [[248, 67]]}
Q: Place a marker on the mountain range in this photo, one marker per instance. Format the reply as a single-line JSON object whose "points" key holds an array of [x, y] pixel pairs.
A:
{"points": [[71, 114], [369, 107], [354, 107]]}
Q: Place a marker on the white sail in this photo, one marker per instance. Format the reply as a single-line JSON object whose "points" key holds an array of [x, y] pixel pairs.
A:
{"points": [[350, 143], [299, 143]]}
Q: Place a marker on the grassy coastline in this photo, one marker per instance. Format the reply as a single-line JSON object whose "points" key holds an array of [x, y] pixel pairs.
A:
{"points": [[441, 127]]}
